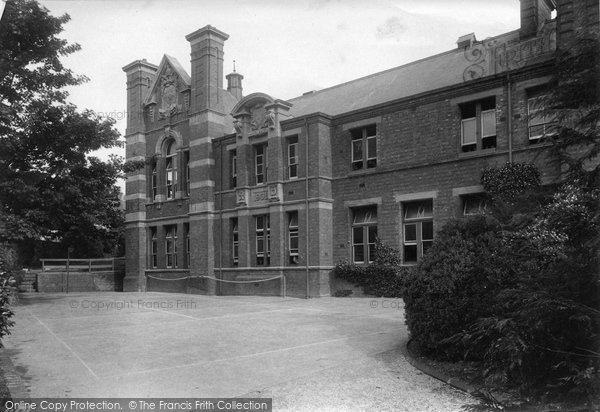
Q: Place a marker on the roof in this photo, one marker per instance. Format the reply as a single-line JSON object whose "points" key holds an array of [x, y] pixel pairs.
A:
{"points": [[179, 69], [435, 72], [176, 66]]}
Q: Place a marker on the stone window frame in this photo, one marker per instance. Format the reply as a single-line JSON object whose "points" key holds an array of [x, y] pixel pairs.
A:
{"points": [[171, 169], [154, 181], [482, 114], [364, 136], [235, 241], [233, 168], [422, 223], [292, 161], [263, 233], [548, 124], [153, 255], [171, 246], [187, 244], [480, 200], [186, 170], [293, 228], [173, 139], [404, 198], [264, 147], [366, 226]]}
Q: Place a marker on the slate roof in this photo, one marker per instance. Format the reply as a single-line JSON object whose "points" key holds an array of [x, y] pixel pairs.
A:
{"points": [[431, 73], [179, 69]]}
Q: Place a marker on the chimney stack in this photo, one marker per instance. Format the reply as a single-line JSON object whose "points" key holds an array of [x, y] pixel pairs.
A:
{"points": [[533, 15], [207, 68]]}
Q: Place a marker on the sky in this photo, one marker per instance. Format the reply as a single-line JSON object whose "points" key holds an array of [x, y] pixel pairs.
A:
{"points": [[282, 48]]}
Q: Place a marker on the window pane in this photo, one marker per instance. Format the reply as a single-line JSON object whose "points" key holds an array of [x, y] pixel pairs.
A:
{"points": [[293, 219], [294, 243], [488, 142], [427, 246], [365, 215], [410, 253], [358, 235], [551, 128], [294, 171], [357, 150], [488, 103], [427, 231], [371, 148], [372, 234], [488, 123], [260, 245], [371, 252], [469, 131], [359, 253], [371, 130], [356, 134], [410, 232], [418, 210], [359, 216], [468, 110], [475, 205]]}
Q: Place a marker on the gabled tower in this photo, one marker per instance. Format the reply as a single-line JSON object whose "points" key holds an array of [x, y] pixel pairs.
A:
{"points": [[206, 122], [140, 75]]}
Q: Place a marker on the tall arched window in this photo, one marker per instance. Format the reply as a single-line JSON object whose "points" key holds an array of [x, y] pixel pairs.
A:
{"points": [[171, 170]]}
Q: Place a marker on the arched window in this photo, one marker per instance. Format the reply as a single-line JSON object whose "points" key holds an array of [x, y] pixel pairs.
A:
{"points": [[171, 170]]}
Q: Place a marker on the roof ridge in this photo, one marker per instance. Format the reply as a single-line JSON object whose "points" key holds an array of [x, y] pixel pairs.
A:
{"points": [[402, 66]]}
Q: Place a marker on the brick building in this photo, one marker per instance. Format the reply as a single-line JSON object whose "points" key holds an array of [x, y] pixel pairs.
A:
{"points": [[250, 187]]}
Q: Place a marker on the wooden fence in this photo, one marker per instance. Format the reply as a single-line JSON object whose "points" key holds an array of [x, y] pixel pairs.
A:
{"points": [[83, 265]]}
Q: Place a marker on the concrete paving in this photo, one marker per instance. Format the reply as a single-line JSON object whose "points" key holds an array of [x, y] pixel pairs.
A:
{"points": [[329, 353]]}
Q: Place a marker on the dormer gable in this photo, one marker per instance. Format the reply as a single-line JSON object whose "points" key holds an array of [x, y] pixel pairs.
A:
{"points": [[169, 93]]}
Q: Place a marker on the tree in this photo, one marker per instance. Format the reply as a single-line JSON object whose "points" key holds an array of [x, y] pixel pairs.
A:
{"points": [[51, 189], [574, 101]]}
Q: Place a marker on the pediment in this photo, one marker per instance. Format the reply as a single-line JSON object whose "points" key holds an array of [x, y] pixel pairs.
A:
{"points": [[259, 112], [170, 89]]}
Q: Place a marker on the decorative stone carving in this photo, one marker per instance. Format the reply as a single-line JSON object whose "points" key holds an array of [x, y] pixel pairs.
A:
{"points": [[258, 118], [490, 57], [270, 119], [260, 195], [237, 125], [274, 192], [241, 196], [169, 96]]}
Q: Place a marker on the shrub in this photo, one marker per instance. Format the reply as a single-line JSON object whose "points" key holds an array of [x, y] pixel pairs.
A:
{"points": [[524, 303], [384, 277], [8, 267], [515, 192], [453, 284]]}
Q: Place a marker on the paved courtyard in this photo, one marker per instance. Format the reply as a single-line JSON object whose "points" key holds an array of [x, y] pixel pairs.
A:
{"points": [[318, 354]]}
